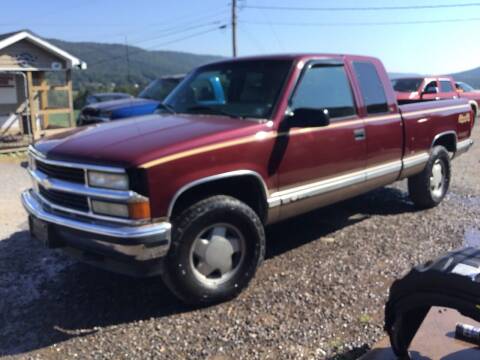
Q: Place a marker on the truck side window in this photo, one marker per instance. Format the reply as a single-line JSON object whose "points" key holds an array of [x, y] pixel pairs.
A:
{"points": [[325, 87], [373, 92], [446, 86], [431, 88]]}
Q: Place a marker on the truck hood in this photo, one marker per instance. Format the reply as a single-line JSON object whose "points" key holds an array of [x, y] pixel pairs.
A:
{"points": [[138, 140], [119, 104]]}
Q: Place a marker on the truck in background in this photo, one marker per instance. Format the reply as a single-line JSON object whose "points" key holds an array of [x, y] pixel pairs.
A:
{"points": [[146, 103], [415, 89]]}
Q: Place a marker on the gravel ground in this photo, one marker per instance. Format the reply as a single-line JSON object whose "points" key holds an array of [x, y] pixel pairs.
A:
{"points": [[319, 294]]}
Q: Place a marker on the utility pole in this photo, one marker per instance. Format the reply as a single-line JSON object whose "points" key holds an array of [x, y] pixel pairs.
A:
{"points": [[127, 57], [234, 28]]}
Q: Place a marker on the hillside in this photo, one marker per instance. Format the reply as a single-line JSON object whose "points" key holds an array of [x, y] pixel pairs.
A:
{"points": [[107, 63], [471, 77]]}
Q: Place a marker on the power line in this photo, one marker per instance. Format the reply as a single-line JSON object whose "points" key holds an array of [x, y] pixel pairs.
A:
{"points": [[175, 31], [363, 8], [165, 34], [161, 44], [382, 23]]}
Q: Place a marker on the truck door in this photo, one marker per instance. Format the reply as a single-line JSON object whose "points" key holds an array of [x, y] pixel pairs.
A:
{"points": [[318, 164], [383, 124], [430, 91], [447, 89]]}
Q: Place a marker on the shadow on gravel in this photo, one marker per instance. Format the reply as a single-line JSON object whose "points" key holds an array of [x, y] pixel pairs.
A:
{"points": [[301, 230], [46, 298]]}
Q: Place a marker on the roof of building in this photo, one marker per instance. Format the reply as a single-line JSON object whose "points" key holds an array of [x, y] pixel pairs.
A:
{"points": [[8, 39]]}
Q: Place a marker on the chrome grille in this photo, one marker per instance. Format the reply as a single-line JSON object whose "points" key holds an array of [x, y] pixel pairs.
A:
{"points": [[88, 111], [68, 200], [62, 186], [61, 172]]}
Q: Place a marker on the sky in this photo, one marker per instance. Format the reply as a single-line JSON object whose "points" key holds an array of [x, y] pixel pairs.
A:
{"points": [[448, 43]]}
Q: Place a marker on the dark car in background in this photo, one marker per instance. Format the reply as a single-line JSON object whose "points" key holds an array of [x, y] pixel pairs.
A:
{"points": [[146, 103], [102, 97]]}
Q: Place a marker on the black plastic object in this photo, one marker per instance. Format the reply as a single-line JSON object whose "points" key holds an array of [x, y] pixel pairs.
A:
{"points": [[468, 333], [451, 281]]}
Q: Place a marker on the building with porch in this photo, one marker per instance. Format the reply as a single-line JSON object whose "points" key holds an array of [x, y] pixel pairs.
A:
{"points": [[35, 84]]}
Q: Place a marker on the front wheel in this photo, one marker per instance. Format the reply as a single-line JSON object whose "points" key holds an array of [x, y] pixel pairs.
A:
{"points": [[428, 188], [217, 245]]}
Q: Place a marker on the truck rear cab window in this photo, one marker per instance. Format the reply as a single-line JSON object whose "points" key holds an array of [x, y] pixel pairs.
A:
{"points": [[325, 87], [446, 86], [371, 86]]}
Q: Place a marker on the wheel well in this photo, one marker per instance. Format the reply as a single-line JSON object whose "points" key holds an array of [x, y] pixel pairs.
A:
{"points": [[474, 107], [448, 141], [246, 188]]}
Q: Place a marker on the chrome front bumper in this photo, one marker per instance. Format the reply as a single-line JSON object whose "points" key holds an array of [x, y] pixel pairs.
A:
{"points": [[139, 243]]}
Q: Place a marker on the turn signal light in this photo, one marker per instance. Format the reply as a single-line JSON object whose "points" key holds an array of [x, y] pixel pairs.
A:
{"points": [[139, 210]]}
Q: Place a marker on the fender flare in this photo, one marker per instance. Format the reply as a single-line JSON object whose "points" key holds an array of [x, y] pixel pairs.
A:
{"points": [[474, 104], [216, 177]]}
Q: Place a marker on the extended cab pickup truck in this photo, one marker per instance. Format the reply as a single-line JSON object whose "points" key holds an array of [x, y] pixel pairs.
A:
{"points": [[415, 89], [186, 192]]}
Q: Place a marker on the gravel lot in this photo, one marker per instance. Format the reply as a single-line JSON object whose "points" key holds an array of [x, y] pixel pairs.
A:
{"points": [[319, 294]]}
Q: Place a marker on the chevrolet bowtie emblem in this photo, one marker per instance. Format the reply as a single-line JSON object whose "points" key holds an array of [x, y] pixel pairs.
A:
{"points": [[47, 184]]}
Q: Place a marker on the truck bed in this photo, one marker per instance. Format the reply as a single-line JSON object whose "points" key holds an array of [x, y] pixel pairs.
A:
{"points": [[424, 121]]}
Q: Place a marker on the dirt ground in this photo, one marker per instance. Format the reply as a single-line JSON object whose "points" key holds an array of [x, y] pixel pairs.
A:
{"points": [[319, 294]]}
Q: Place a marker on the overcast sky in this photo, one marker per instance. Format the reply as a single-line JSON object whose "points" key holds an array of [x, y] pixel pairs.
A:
{"points": [[448, 43]]}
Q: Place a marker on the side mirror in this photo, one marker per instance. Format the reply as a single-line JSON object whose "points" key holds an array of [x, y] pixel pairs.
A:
{"points": [[308, 117]]}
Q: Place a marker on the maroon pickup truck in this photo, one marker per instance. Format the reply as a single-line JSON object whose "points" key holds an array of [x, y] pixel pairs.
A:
{"points": [[415, 89], [186, 193]]}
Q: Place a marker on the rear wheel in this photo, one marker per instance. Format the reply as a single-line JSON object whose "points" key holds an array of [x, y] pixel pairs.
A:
{"points": [[428, 188], [217, 245]]}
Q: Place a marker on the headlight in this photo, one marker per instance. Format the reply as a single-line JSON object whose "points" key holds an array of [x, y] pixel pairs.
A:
{"points": [[108, 180], [135, 210]]}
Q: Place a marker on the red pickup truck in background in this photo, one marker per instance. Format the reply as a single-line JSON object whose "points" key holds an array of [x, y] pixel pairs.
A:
{"points": [[186, 192], [415, 89]]}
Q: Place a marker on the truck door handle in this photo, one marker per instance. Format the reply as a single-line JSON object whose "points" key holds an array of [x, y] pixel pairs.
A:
{"points": [[359, 134]]}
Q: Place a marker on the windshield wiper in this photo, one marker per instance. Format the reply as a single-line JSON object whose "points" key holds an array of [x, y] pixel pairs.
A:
{"points": [[213, 111], [167, 107]]}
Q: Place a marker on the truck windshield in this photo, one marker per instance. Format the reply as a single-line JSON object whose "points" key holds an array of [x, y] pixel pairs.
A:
{"points": [[406, 85], [244, 89], [464, 86], [159, 89]]}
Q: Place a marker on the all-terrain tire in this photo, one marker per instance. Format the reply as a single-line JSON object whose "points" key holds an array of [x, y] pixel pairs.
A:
{"points": [[421, 187], [180, 273]]}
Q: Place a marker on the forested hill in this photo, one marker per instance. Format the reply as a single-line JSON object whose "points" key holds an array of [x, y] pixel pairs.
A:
{"points": [[107, 63]]}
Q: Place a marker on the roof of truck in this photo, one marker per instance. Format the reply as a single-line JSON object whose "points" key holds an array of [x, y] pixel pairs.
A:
{"points": [[297, 56]]}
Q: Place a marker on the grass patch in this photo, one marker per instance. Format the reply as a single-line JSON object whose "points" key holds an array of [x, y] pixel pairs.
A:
{"points": [[365, 319], [56, 121]]}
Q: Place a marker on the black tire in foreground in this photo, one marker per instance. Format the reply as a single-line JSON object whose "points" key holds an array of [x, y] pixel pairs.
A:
{"points": [[217, 246], [428, 188]]}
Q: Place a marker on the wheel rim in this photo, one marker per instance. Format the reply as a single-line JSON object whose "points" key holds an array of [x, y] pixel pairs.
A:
{"points": [[217, 254], [437, 179]]}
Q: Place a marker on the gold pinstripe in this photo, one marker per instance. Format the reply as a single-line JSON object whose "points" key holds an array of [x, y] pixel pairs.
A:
{"points": [[425, 112], [273, 134], [207, 148]]}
